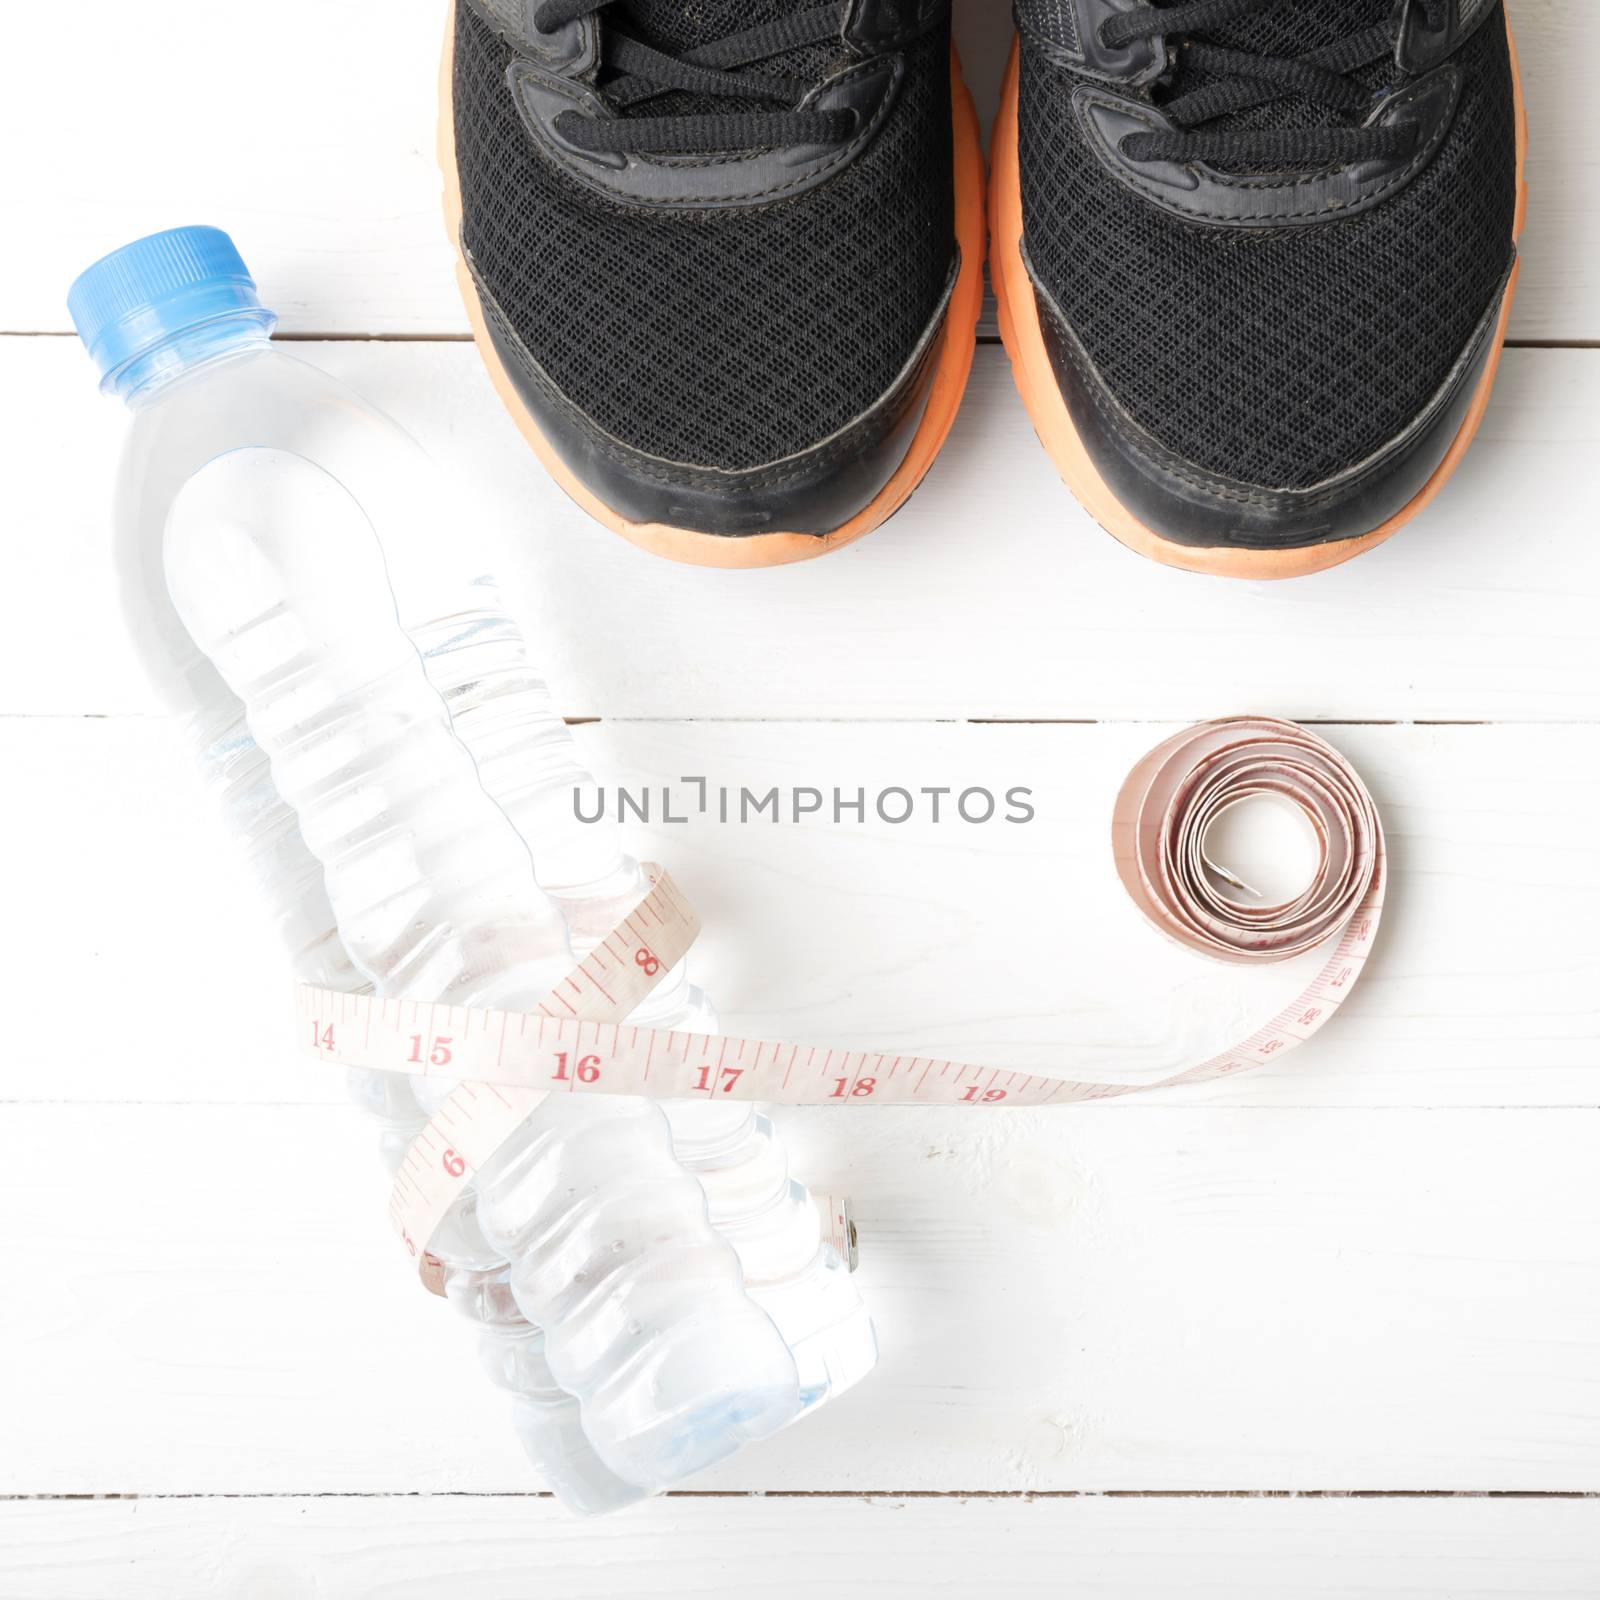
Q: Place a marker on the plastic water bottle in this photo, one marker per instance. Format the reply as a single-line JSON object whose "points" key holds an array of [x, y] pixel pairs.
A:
{"points": [[237, 528], [529, 763], [220, 477]]}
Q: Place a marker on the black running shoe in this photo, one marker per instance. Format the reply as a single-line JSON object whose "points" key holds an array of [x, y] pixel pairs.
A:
{"points": [[1255, 260], [723, 259]]}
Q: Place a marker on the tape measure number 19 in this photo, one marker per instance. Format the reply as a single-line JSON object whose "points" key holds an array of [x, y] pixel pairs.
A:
{"points": [[578, 1040]]}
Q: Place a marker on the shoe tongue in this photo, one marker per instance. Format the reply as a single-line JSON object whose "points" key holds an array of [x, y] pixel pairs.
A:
{"points": [[1297, 27], [1293, 28], [680, 25], [677, 25]]}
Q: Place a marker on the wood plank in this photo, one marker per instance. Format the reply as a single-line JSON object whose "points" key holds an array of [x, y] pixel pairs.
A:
{"points": [[318, 154], [1483, 990], [992, 595], [408, 1549], [207, 1300]]}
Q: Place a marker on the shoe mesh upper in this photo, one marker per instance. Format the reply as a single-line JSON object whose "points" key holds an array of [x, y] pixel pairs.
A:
{"points": [[1278, 358], [726, 338]]}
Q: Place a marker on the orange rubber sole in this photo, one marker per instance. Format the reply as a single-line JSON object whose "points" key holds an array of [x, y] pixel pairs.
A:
{"points": [[959, 342], [1035, 377]]}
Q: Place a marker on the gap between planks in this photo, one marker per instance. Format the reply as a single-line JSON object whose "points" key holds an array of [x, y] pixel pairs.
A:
{"points": [[315, 337], [905, 722], [1026, 1495]]}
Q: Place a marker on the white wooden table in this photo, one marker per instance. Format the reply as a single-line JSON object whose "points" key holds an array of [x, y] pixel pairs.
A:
{"points": [[1331, 1330]]}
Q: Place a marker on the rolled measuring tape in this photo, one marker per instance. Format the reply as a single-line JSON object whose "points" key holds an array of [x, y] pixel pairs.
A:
{"points": [[577, 1041]]}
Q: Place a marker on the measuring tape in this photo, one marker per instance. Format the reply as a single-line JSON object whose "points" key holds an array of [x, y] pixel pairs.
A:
{"points": [[578, 1041]]}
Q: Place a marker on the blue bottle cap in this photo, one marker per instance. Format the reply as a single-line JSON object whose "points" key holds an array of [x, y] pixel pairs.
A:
{"points": [[144, 294]]}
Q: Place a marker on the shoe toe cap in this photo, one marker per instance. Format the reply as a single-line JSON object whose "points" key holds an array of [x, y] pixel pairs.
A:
{"points": [[815, 491], [1187, 504]]}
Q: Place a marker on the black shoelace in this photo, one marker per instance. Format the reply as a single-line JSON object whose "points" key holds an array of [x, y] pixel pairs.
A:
{"points": [[1241, 80], [642, 72]]}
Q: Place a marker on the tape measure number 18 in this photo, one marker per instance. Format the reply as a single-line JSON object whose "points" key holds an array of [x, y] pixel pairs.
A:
{"points": [[578, 1041]]}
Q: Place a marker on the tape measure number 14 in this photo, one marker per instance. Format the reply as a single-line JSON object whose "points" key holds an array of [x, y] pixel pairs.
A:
{"points": [[578, 1040]]}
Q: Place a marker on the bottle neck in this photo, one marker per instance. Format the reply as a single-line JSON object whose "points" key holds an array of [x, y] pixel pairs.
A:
{"points": [[152, 372]]}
